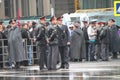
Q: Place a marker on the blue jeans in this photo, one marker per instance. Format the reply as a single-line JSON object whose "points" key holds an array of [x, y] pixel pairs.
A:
{"points": [[30, 54], [91, 51]]}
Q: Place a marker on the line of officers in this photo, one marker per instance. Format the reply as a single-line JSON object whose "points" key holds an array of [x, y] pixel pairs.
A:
{"points": [[55, 39], [95, 41]]}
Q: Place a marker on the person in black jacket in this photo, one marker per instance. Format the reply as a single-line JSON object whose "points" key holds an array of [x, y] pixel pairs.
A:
{"points": [[41, 39], [27, 43], [53, 44], [114, 39], [105, 40], [86, 37], [63, 42], [98, 41]]}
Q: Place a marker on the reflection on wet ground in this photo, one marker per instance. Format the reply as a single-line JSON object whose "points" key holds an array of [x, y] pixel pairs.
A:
{"points": [[78, 71]]}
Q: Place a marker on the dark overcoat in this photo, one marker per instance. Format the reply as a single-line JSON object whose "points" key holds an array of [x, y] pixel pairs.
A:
{"points": [[114, 39], [77, 48]]}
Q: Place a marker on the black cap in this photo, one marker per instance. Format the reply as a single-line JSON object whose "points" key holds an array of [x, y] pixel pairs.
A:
{"points": [[42, 18], [12, 21], [112, 20], [59, 18], [52, 18]]}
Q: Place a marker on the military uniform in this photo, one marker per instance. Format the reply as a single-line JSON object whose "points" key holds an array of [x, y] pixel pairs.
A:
{"points": [[41, 45], [53, 47], [63, 38], [105, 39]]}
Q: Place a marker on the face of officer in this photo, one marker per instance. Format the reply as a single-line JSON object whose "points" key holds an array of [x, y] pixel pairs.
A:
{"points": [[59, 22], [42, 21], [54, 21], [85, 23], [97, 25], [110, 23]]}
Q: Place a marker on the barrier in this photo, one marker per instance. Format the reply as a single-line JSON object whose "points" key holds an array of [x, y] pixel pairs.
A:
{"points": [[32, 56]]}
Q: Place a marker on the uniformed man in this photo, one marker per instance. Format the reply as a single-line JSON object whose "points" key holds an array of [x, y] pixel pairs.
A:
{"points": [[105, 39], [114, 38], [98, 41], [53, 44], [41, 39], [63, 42], [85, 27]]}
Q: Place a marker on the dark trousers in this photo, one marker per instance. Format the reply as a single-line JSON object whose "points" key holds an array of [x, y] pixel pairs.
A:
{"points": [[115, 55], [104, 52], [43, 56], [52, 57], [91, 51], [87, 47], [98, 51], [64, 55]]}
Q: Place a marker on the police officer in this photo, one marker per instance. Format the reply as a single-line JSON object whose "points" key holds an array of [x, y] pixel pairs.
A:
{"points": [[63, 42], [114, 38], [85, 22], [53, 44], [41, 39], [98, 41], [105, 39]]}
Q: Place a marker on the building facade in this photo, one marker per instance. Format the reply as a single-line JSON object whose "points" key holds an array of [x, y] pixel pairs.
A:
{"points": [[27, 8], [94, 4], [62, 6], [2, 11], [9, 8]]}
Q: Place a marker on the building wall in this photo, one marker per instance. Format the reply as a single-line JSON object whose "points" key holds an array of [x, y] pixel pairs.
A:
{"points": [[27, 7], [2, 11], [37, 7], [94, 4], [40, 7], [32, 8], [59, 6], [64, 6], [46, 7]]}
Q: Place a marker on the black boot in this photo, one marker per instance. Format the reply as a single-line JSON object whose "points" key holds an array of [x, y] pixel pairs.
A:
{"points": [[17, 66]]}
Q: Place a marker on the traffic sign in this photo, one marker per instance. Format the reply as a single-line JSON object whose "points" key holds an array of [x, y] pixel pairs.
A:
{"points": [[116, 8]]}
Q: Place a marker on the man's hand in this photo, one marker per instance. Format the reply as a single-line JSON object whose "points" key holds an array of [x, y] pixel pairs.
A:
{"points": [[48, 40], [68, 43]]}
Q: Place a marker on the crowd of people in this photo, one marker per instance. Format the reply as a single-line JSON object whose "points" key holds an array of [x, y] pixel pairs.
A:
{"points": [[97, 40]]}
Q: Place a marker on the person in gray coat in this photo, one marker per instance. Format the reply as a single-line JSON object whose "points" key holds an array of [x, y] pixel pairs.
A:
{"points": [[105, 39], [15, 45], [53, 44], [77, 48], [114, 38]]}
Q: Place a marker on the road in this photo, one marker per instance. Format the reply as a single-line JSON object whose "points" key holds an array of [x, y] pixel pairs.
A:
{"points": [[108, 70]]}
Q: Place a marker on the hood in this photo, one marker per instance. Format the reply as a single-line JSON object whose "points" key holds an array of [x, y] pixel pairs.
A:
{"points": [[78, 31]]}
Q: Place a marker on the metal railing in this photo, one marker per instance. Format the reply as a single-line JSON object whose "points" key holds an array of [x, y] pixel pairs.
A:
{"points": [[4, 52]]}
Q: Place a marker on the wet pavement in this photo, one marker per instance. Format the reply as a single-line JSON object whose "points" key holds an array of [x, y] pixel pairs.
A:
{"points": [[78, 71]]}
